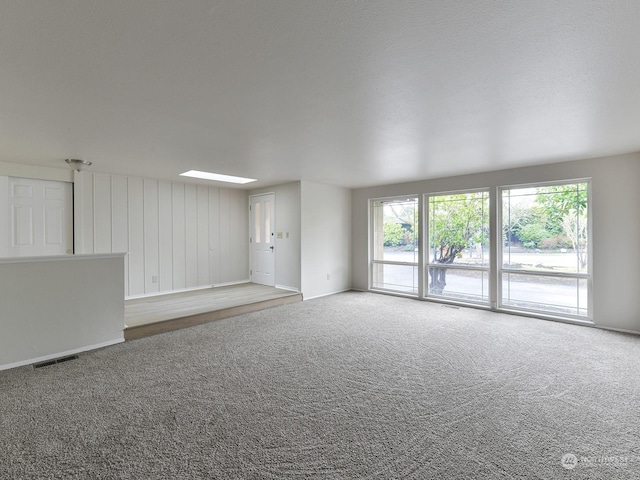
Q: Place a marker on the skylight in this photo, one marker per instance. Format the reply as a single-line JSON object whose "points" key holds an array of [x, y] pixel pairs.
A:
{"points": [[217, 177]]}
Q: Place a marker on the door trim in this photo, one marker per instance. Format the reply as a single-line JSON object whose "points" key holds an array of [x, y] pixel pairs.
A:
{"points": [[250, 215]]}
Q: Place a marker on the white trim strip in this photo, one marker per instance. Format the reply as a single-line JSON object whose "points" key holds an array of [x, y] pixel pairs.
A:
{"points": [[61, 258], [30, 361]]}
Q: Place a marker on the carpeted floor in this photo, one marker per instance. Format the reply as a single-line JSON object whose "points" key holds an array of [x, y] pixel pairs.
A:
{"points": [[356, 385]]}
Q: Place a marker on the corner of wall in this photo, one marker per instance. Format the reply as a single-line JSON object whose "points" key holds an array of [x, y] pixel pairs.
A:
{"points": [[326, 265]]}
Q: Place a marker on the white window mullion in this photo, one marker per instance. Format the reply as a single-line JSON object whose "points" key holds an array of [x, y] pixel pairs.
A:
{"points": [[495, 251]]}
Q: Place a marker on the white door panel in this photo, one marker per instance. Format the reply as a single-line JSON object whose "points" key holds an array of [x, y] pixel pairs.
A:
{"points": [[53, 226], [262, 241], [41, 218], [22, 226]]}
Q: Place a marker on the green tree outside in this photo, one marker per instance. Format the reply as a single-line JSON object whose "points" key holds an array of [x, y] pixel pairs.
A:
{"points": [[456, 222], [394, 234], [566, 208]]}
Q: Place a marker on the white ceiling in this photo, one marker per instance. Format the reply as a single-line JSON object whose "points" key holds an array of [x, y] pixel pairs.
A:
{"points": [[350, 93]]}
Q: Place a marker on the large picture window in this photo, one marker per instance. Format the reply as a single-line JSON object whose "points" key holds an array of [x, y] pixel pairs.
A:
{"points": [[545, 249], [522, 248], [458, 251], [395, 245]]}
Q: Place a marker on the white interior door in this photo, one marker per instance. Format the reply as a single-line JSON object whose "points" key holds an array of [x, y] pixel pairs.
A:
{"points": [[262, 241], [40, 217]]}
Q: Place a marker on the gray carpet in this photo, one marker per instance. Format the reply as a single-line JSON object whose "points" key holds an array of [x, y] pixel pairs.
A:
{"points": [[355, 385]]}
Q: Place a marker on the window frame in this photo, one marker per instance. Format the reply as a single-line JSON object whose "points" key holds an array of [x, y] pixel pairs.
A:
{"points": [[425, 264], [494, 268], [501, 271], [371, 254]]}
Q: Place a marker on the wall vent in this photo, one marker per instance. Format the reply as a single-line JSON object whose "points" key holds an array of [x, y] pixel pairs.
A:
{"points": [[54, 361]]}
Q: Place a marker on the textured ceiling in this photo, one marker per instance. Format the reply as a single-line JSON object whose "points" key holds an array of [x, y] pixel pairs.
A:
{"points": [[350, 93]]}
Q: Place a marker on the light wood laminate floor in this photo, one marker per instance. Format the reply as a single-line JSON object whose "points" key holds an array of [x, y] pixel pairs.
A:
{"points": [[161, 308]]}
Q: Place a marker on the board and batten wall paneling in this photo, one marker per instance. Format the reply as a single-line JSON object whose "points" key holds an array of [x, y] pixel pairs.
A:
{"points": [[151, 236], [84, 181], [191, 228], [225, 244], [177, 235], [135, 208], [214, 235], [203, 235], [239, 233], [165, 237], [120, 223]]}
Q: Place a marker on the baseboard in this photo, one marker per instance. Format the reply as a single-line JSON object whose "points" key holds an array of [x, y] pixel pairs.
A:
{"points": [[619, 330], [228, 284], [288, 288], [327, 294], [190, 289], [168, 292], [66, 353]]}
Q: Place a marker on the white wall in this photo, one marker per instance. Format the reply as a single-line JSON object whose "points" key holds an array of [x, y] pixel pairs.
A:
{"points": [[56, 306], [287, 220], [318, 220], [177, 235], [614, 213], [326, 239]]}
